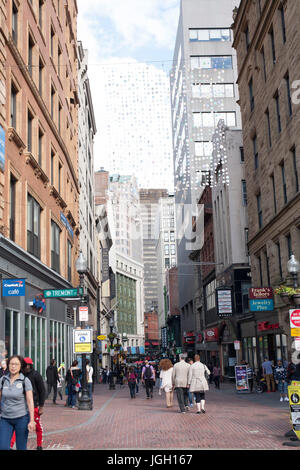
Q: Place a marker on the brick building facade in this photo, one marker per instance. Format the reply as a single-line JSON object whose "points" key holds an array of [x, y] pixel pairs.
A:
{"points": [[266, 37]]}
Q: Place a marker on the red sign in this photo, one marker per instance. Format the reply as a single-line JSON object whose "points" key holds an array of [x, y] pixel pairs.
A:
{"points": [[260, 293], [264, 326], [295, 318], [212, 334]]}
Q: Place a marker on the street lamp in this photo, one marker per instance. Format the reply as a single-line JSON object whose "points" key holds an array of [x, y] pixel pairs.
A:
{"points": [[84, 402], [111, 338], [293, 267]]}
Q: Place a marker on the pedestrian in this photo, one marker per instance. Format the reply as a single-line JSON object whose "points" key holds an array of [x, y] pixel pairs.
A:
{"points": [[280, 376], [104, 375], [250, 376], [17, 406], [191, 397], [60, 386], [197, 382], [267, 370], [211, 367], [148, 378], [132, 378], [39, 395], [89, 379], [166, 371], [180, 381], [3, 368], [216, 372], [72, 380], [52, 379]]}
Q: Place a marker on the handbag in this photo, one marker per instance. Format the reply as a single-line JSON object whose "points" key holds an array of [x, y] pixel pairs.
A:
{"points": [[75, 382]]}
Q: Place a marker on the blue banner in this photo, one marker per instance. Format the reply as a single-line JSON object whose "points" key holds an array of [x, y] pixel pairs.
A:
{"points": [[13, 287], [261, 305], [2, 148]]}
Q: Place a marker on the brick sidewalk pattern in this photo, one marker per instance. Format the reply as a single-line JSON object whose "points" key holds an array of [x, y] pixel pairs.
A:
{"points": [[232, 421]]}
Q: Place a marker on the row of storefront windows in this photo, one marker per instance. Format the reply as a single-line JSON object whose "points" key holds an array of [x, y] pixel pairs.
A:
{"points": [[272, 346], [36, 339]]}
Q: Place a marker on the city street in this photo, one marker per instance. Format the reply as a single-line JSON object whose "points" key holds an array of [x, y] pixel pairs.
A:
{"points": [[231, 422]]}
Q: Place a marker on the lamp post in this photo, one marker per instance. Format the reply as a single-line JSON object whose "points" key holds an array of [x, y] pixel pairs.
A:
{"points": [[111, 338], [293, 267], [84, 402]]}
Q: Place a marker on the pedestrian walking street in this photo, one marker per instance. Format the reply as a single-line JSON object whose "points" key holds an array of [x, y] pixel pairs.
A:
{"points": [[231, 422]]}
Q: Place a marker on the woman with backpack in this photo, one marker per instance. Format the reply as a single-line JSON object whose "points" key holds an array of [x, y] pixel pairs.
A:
{"points": [[17, 407], [72, 380], [132, 379]]}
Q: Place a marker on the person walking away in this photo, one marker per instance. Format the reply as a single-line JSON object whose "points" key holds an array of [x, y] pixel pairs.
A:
{"points": [[267, 369], [166, 371], [137, 370], [197, 382], [89, 379], [190, 395], [132, 378], [39, 396], [17, 406], [104, 375], [216, 376], [211, 368], [148, 378], [180, 381], [72, 379], [280, 377], [52, 379], [250, 376]]}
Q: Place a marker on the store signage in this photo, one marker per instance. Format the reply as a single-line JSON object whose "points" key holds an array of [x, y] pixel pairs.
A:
{"points": [[190, 338], [62, 293], [264, 326], [101, 337], [224, 302], [83, 313], [294, 402], [64, 220], [261, 299], [212, 334], [237, 345], [83, 341], [295, 318], [164, 337], [13, 287], [2, 148], [241, 379]]}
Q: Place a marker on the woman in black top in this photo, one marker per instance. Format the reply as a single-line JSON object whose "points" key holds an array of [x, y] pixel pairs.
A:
{"points": [[72, 378]]}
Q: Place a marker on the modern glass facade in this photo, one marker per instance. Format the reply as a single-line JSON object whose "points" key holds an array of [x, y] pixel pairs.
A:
{"points": [[126, 295]]}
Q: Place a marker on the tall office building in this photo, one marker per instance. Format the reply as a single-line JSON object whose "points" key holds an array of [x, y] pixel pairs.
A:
{"points": [[149, 204], [203, 90]]}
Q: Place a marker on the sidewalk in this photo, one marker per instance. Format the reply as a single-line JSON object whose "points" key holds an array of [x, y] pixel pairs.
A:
{"points": [[232, 421]]}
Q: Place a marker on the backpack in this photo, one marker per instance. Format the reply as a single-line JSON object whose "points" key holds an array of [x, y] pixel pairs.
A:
{"points": [[148, 372]]}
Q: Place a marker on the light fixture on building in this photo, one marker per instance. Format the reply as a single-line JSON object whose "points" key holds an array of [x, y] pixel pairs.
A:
{"points": [[293, 267]]}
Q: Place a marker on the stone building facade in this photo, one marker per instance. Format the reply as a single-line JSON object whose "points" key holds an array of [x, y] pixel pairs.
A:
{"points": [[266, 37]]}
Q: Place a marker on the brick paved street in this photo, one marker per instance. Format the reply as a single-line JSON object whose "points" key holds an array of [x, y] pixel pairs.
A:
{"points": [[118, 422]]}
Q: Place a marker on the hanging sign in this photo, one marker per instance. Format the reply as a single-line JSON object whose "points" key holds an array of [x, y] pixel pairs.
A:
{"points": [[294, 401], [82, 341], [13, 287], [224, 302], [83, 313]]}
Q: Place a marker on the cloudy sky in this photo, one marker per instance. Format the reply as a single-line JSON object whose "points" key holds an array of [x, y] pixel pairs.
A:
{"points": [[130, 45]]}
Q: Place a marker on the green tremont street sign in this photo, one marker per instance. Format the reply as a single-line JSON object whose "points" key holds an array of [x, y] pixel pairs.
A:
{"points": [[61, 293]]}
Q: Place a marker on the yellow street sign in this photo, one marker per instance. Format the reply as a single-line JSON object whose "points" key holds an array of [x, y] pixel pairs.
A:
{"points": [[101, 337], [83, 348], [295, 331], [294, 399]]}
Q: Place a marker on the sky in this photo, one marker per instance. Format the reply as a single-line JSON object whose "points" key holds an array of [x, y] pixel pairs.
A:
{"points": [[130, 50]]}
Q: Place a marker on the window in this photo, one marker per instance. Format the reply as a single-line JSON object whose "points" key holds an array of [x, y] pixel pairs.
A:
{"points": [[259, 210], [203, 149], [52, 34], [269, 128], [260, 271], [276, 98], [281, 10], [244, 192], [211, 62], [242, 155], [41, 5], [279, 259], [52, 167], [59, 178], [264, 63], [55, 248], [283, 183], [52, 101], [12, 208], [289, 245], [13, 106], [251, 96], [295, 169], [247, 38], [210, 34], [288, 91], [29, 131], [40, 156], [14, 23], [33, 226], [30, 55], [274, 193], [267, 268], [255, 152], [212, 119], [272, 40]]}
